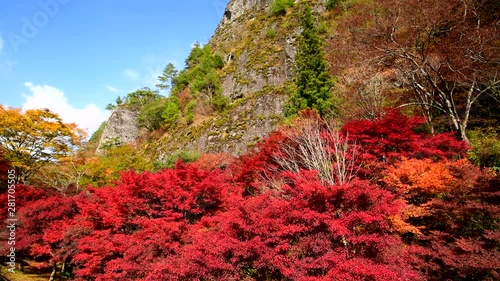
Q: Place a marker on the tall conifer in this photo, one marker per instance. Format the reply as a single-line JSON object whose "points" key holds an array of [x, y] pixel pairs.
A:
{"points": [[313, 83]]}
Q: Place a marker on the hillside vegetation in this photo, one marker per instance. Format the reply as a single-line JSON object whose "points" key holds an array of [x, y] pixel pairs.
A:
{"points": [[307, 140]]}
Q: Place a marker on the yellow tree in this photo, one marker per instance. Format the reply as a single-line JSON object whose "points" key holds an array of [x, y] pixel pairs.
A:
{"points": [[65, 176], [34, 138], [104, 169]]}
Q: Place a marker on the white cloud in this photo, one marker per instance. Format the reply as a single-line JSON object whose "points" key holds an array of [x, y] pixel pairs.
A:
{"points": [[112, 89], [132, 74], [44, 96]]}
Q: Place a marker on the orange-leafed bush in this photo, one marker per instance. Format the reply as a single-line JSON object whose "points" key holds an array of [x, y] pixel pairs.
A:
{"points": [[419, 174]]}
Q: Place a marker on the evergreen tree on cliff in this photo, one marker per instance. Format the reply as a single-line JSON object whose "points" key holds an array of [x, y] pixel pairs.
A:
{"points": [[313, 83]]}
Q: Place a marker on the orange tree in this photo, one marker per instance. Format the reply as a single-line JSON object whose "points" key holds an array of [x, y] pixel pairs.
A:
{"points": [[34, 138]]}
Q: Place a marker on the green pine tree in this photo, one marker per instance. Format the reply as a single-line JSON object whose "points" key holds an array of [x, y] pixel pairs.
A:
{"points": [[171, 113], [167, 78], [313, 83]]}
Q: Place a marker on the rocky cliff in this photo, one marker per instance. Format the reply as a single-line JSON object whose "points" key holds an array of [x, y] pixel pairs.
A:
{"points": [[121, 128], [259, 52], [259, 48]]}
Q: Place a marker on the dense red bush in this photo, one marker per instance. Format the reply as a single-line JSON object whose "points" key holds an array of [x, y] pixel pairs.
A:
{"points": [[143, 220], [251, 219], [29, 228], [394, 135], [305, 231]]}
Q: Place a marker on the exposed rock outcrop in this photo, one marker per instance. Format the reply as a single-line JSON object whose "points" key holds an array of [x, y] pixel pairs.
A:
{"points": [[121, 128], [260, 55], [237, 8], [235, 131], [259, 51], [258, 48]]}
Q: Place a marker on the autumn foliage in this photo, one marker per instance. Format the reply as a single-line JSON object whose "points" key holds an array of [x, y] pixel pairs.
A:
{"points": [[438, 58], [34, 138], [422, 214], [4, 167], [425, 174]]}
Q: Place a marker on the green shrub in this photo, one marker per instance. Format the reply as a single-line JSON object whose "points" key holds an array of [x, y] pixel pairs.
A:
{"points": [[485, 149], [171, 114], [195, 55], [136, 100], [219, 102], [202, 77], [111, 143], [190, 111], [218, 62], [278, 7], [110, 107], [96, 136], [180, 82], [322, 27], [150, 115], [185, 156], [331, 4], [208, 83], [271, 33]]}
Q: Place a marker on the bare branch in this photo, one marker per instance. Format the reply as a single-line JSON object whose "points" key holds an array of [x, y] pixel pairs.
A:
{"points": [[314, 146]]}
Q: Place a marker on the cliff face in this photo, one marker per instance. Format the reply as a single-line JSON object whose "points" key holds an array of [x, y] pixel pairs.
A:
{"points": [[121, 128], [259, 48], [234, 131], [259, 52], [237, 8]]}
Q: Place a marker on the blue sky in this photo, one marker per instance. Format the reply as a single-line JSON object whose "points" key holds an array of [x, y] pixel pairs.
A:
{"points": [[76, 56]]}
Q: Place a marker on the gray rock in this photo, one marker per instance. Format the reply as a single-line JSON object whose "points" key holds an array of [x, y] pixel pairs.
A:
{"points": [[253, 79], [237, 8], [121, 126]]}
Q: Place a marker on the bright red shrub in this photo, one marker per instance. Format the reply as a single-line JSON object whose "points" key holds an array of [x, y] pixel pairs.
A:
{"points": [[41, 220], [259, 165], [254, 220], [25, 196], [143, 220], [307, 231], [393, 136]]}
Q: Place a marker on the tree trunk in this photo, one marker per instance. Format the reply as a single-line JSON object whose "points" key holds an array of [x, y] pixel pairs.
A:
{"points": [[54, 270], [63, 268], [463, 134]]}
